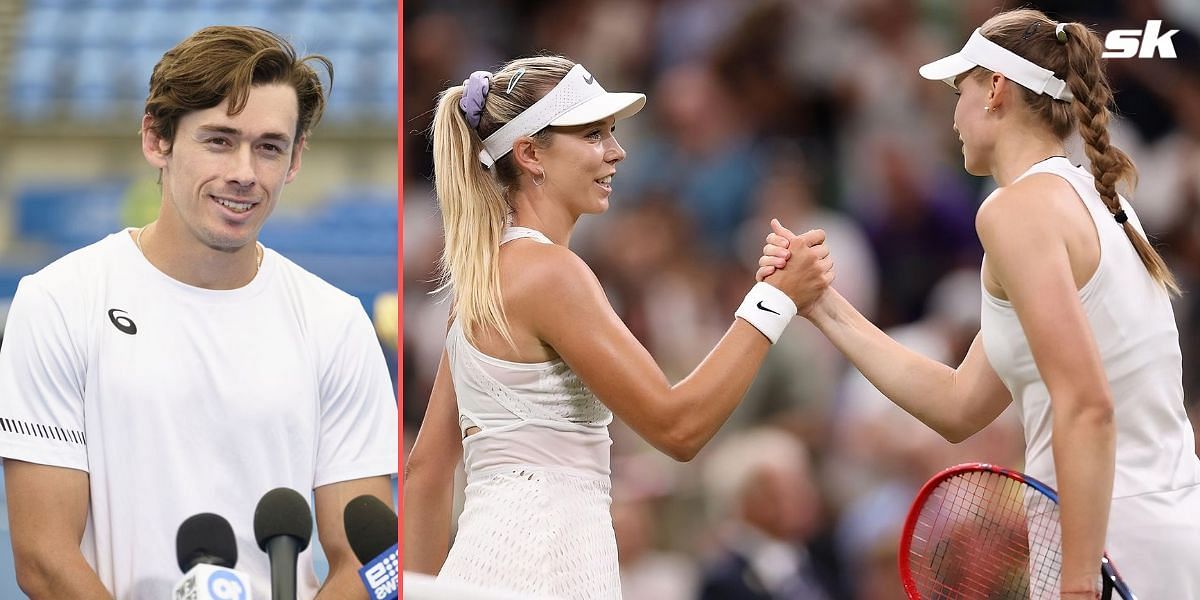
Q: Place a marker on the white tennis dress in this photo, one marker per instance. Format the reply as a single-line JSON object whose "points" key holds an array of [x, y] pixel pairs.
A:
{"points": [[536, 519], [1154, 523]]}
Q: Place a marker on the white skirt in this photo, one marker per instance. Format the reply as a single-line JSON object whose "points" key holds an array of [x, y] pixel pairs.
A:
{"points": [[539, 531], [1154, 542]]}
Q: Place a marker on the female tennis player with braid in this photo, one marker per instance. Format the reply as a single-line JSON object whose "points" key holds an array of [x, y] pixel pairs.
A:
{"points": [[1077, 325], [537, 361]]}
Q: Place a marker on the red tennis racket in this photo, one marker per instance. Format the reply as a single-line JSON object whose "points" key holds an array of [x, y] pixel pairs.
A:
{"points": [[981, 532]]}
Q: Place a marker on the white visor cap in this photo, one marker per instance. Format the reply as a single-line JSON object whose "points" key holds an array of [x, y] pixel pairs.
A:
{"points": [[577, 100], [982, 52]]}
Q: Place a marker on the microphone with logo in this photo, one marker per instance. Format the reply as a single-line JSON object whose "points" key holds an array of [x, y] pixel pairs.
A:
{"points": [[372, 529], [207, 552], [282, 527]]}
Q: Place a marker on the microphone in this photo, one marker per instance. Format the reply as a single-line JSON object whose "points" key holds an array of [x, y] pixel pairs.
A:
{"points": [[373, 532], [207, 552], [282, 527]]}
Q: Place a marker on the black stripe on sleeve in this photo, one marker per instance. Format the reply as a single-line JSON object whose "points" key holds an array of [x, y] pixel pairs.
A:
{"points": [[49, 432]]}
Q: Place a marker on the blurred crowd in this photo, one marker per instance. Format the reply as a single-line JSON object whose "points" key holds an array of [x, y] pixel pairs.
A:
{"points": [[810, 111]]}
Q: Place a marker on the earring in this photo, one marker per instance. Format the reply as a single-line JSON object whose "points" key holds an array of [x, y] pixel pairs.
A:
{"points": [[987, 109], [539, 183]]}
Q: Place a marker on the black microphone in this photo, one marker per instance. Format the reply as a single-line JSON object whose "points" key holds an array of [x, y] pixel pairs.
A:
{"points": [[373, 532], [371, 527], [283, 527], [206, 551], [205, 539]]}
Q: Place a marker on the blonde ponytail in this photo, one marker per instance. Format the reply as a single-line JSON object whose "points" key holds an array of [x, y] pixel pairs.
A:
{"points": [[473, 217], [473, 200]]}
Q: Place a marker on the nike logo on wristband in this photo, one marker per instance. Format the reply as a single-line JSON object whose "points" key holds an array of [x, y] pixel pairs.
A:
{"points": [[761, 307]]}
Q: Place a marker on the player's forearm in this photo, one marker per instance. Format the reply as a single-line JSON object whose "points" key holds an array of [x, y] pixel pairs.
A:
{"points": [[427, 506], [704, 399], [920, 385], [1084, 444], [53, 575]]}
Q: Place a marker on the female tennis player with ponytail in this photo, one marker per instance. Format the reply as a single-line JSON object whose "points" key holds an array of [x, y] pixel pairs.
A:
{"points": [[1077, 325], [537, 361]]}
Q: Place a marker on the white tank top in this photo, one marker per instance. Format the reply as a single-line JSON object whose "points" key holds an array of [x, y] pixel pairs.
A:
{"points": [[1135, 332], [529, 414]]}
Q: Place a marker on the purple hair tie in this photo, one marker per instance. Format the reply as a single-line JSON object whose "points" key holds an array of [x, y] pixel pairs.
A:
{"points": [[474, 95]]}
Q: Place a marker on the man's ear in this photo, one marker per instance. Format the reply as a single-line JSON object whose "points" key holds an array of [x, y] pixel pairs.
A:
{"points": [[527, 156], [154, 148], [297, 150]]}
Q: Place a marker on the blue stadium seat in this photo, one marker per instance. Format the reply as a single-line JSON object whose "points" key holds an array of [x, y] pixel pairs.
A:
{"points": [[69, 216], [70, 4], [94, 56], [34, 65], [10, 275], [102, 26], [349, 241], [94, 90], [41, 26]]}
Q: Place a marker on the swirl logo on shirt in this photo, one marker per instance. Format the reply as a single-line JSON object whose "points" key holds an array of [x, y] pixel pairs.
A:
{"points": [[123, 323]]}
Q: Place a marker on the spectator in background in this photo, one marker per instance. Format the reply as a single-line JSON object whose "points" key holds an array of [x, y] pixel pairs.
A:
{"points": [[879, 105], [867, 532], [922, 230], [760, 487], [648, 572], [182, 367], [706, 156], [670, 300]]}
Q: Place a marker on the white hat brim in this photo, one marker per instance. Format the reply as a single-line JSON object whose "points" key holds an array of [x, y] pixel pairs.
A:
{"points": [[947, 69], [621, 104]]}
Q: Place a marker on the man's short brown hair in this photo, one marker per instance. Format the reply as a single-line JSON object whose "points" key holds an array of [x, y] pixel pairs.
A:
{"points": [[222, 62]]}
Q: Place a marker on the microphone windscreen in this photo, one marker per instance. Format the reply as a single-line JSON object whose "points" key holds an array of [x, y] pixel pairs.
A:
{"points": [[205, 538], [371, 527], [282, 511]]}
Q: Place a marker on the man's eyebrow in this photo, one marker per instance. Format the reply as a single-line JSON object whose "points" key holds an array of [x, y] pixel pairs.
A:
{"points": [[277, 136], [270, 135], [220, 129]]}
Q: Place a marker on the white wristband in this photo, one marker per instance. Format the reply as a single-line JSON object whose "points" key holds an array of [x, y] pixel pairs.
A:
{"points": [[767, 309]]}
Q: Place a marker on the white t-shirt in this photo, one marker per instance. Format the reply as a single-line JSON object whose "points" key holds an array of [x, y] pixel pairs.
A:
{"points": [[179, 400]]}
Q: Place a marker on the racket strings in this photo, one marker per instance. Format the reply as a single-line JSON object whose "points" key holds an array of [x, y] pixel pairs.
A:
{"points": [[982, 535]]}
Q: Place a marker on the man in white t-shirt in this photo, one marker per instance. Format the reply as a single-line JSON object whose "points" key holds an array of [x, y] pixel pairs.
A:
{"points": [[183, 368]]}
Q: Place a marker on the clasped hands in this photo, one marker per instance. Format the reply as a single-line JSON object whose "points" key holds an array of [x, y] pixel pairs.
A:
{"points": [[798, 265]]}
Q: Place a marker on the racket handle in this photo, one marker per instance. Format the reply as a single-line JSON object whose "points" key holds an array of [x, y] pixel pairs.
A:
{"points": [[1110, 582]]}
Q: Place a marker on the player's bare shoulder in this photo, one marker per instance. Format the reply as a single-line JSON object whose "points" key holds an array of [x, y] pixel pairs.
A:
{"points": [[534, 273], [1037, 201]]}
